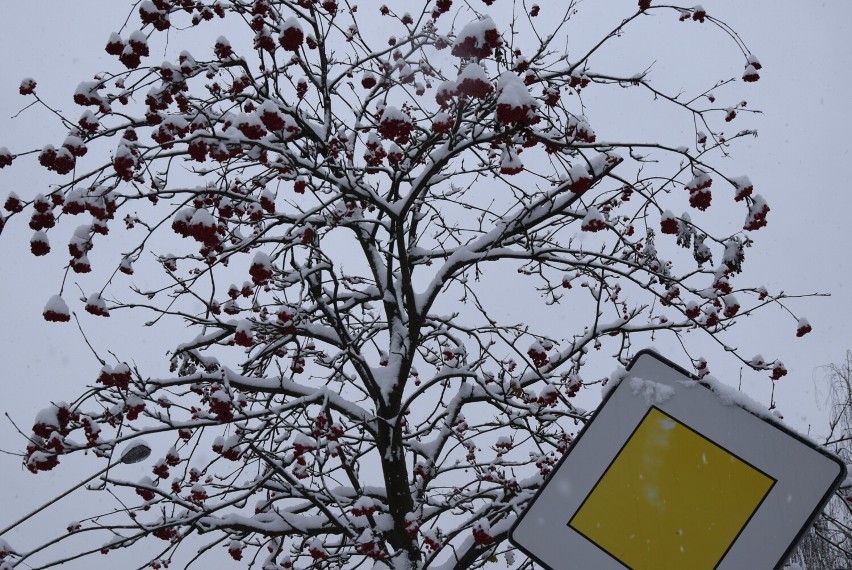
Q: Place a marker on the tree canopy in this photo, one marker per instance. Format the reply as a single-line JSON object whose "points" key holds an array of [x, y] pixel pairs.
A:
{"points": [[330, 199]]}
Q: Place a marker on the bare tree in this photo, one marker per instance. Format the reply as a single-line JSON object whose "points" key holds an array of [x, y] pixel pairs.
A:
{"points": [[366, 397], [828, 543], [838, 380]]}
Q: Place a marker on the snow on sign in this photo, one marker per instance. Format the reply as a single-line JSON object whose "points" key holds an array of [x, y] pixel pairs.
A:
{"points": [[673, 473]]}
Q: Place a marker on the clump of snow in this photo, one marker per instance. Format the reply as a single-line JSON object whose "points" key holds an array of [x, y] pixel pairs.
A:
{"points": [[368, 80], [750, 74], [732, 305], [580, 128], [292, 36], [654, 393], [604, 161], [445, 92], [243, 335], [699, 190], [261, 268], [39, 244], [803, 327], [732, 397], [473, 81], [510, 162], [744, 187], [593, 221], [668, 223], [56, 310], [363, 506], [46, 421], [96, 305], [756, 218], [27, 87], [477, 39], [614, 379], [395, 125], [515, 103], [6, 157]]}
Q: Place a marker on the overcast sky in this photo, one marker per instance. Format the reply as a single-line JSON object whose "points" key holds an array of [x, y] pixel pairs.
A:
{"points": [[799, 163]]}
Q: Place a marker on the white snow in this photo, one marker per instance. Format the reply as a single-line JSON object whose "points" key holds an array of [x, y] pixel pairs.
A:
{"points": [[262, 259], [513, 92], [474, 72], [291, 23], [56, 305], [475, 30], [202, 217], [654, 393]]}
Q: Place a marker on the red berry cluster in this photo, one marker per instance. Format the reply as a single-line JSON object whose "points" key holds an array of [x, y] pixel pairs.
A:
{"points": [[39, 245], [778, 371], [317, 552], [6, 157], [441, 7], [669, 223], [469, 46], [145, 493], [593, 222], [292, 37], [126, 162], [235, 549], [551, 96], [474, 85], [27, 87], [482, 533], [260, 273], [165, 533], [119, 376], [757, 215], [744, 190], [221, 405], [579, 80], [581, 130], [520, 114], [227, 448], [363, 507], [538, 357], [371, 549], [61, 161], [395, 126], [699, 191]]}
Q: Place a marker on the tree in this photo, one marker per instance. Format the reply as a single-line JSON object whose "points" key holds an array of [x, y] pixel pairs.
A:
{"points": [[363, 393], [828, 543]]}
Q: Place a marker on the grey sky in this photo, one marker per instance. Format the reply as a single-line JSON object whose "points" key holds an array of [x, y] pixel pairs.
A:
{"points": [[799, 163]]}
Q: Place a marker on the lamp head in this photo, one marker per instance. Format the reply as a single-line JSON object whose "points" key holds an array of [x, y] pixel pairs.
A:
{"points": [[135, 452]]}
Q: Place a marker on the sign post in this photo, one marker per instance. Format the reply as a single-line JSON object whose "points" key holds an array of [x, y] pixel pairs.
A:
{"points": [[676, 473]]}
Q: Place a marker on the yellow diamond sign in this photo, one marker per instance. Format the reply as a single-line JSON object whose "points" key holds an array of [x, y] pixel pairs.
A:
{"points": [[670, 499], [676, 473]]}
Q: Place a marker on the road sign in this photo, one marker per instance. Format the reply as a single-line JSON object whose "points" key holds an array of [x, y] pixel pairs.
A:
{"points": [[675, 473]]}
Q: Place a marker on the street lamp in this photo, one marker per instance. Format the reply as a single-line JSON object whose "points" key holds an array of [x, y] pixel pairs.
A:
{"points": [[134, 453]]}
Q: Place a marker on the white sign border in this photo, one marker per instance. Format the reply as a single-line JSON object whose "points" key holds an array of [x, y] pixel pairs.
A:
{"points": [[594, 449]]}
